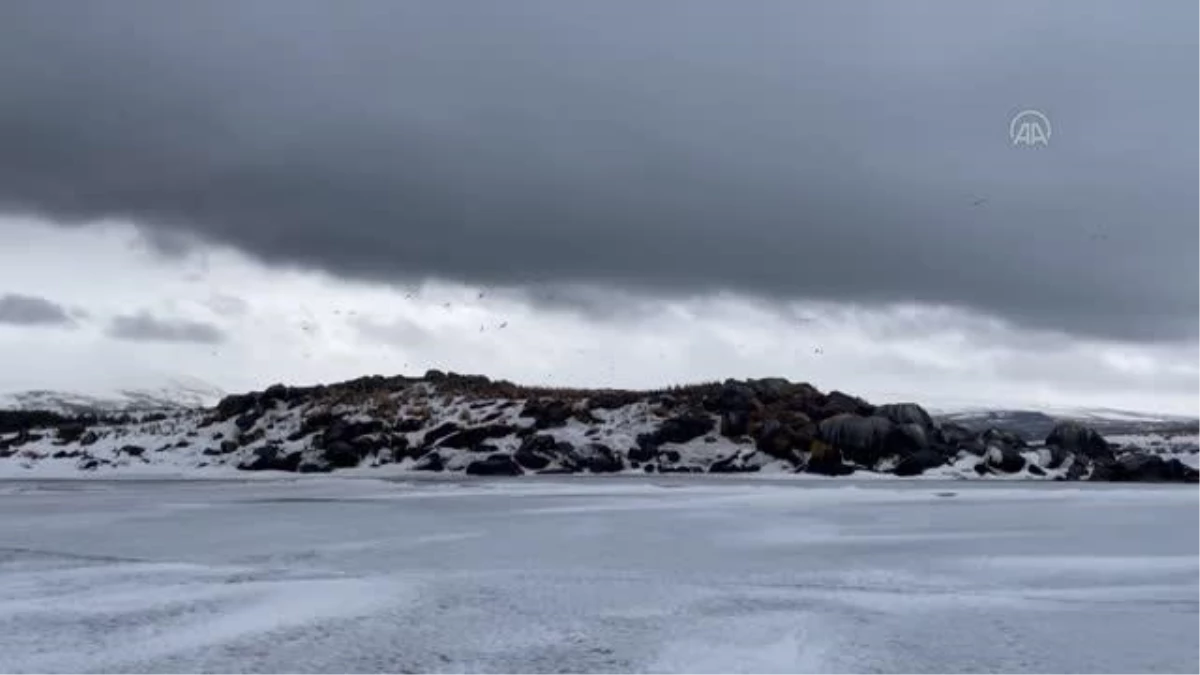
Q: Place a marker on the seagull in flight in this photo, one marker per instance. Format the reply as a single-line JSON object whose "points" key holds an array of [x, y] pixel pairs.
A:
{"points": [[979, 201]]}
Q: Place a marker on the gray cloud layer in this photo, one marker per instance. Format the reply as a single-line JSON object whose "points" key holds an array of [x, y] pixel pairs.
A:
{"points": [[28, 310], [145, 327], [825, 150]]}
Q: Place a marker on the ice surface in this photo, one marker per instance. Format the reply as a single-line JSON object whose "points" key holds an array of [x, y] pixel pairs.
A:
{"points": [[613, 574]]}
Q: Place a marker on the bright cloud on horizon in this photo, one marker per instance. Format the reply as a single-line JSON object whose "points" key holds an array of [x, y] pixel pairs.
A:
{"points": [[140, 319]]}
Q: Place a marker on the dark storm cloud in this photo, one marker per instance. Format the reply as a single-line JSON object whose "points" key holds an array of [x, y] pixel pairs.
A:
{"points": [[145, 327], [28, 310], [844, 151]]}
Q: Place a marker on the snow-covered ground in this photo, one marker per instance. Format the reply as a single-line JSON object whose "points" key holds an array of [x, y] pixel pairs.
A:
{"points": [[672, 573]]}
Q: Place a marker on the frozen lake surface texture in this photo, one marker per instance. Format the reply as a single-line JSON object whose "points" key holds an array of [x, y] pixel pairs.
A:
{"points": [[614, 575]]}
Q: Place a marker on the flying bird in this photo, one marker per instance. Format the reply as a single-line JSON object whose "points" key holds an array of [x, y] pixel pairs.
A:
{"points": [[979, 201]]}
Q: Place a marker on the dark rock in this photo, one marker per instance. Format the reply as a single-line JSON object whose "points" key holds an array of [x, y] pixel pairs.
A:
{"points": [[471, 438], [317, 422], [685, 427], [905, 413], [1082, 440], [733, 397], [599, 458], [537, 452], [23, 420], [1077, 469], [341, 455], [731, 464], [228, 447], [88, 438], [245, 422], [252, 437], [735, 423], [1143, 468], [89, 464], [1003, 458], [312, 467], [399, 447], [862, 440], [838, 403], [1008, 439], [611, 400], [982, 469], [409, 425], [67, 454], [776, 440], [270, 458], [132, 450], [558, 470], [671, 456], [69, 433], [1036, 470], [276, 392], [644, 452], [826, 459], [236, 404], [430, 462], [547, 413], [1056, 456], [181, 444], [342, 430], [955, 435], [297, 435], [439, 432], [649, 468], [904, 440], [495, 465], [919, 462]]}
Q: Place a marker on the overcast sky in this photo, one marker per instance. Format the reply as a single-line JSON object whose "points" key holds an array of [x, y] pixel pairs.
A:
{"points": [[643, 193]]}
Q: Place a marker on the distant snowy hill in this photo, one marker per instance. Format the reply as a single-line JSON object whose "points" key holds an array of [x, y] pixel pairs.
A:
{"points": [[1034, 424], [175, 395]]}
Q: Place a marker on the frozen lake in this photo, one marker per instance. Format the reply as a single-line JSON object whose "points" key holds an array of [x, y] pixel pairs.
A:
{"points": [[678, 575]]}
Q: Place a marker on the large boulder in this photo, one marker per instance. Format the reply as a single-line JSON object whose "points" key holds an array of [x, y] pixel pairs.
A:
{"points": [[837, 403], [432, 461], [919, 462], [905, 413], [347, 431], [862, 440], [775, 439], [735, 423], [1143, 468], [732, 464], [342, 455], [236, 404], [1053, 457], [955, 435], [547, 413], [537, 452], [439, 432], [1004, 458], [497, 464], [733, 396], [271, 458], [826, 459], [1080, 439], [685, 427], [598, 458], [471, 438]]}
